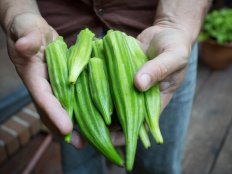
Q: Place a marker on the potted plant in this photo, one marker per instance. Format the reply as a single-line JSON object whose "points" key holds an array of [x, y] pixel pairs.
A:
{"points": [[216, 38]]}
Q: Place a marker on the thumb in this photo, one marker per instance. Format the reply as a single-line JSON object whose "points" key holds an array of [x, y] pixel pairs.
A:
{"points": [[29, 44], [158, 69]]}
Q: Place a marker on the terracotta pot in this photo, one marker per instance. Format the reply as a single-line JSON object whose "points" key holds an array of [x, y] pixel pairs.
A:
{"points": [[216, 56]]}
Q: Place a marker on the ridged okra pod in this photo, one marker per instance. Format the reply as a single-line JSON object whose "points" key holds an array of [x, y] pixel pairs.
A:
{"points": [[152, 96], [153, 104], [144, 137], [79, 54], [99, 88], [90, 122], [140, 96], [124, 95], [98, 50], [102, 98], [58, 75]]}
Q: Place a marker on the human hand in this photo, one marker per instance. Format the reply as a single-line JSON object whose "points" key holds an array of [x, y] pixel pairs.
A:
{"points": [[168, 46], [27, 36]]}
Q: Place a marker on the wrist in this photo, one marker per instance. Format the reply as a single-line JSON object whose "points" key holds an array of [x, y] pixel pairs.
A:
{"points": [[189, 33], [183, 15]]}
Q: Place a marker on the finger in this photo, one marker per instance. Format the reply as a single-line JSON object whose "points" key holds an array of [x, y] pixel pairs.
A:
{"points": [[50, 36], [146, 36], [143, 45], [53, 110], [158, 69], [77, 140], [117, 138], [169, 85], [48, 122], [34, 76], [29, 44], [54, 33], [165, 99], [52, 114]]}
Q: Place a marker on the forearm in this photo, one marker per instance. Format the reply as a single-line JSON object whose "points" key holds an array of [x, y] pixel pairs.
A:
{"points": [[186, 14], [11, 8]]}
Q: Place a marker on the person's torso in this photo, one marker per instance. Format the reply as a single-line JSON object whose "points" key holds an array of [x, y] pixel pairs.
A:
{"points": [[68, 17]]}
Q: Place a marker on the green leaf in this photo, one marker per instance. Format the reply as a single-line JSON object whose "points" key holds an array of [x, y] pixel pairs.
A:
{"points": [[202, 37], [218, 26]]}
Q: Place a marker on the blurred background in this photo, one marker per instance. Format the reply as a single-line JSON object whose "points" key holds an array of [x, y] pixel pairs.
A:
{"points": [[27, 146]]}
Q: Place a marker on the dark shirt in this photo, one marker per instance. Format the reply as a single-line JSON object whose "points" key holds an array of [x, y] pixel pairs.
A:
{"points": [[68, 17]]}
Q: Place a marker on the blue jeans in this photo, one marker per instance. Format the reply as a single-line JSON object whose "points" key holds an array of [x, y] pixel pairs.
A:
{"points": [[158, 159]]}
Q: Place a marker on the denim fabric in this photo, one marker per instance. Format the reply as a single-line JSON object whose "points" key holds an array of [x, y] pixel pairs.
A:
{"points": [[85, 161], [158, 159]]}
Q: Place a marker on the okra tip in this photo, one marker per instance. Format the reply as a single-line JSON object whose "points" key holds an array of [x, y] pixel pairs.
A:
{"points": [[157, 136], [107, 120], [160, 141], [71, 80], [68, 138]]}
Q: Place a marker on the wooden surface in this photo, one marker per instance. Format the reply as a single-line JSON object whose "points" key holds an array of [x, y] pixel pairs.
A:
{"points": [[50, 162], [17, 163], [203, 75], [211, 119], [224, 163]]}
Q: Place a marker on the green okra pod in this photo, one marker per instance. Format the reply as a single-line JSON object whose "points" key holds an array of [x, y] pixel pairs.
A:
{"points": [[98, 50], [144, 137], [79, 54], [58, 75], [140, 96], [125, 96], [153, 104], [152, 96], [90, 122], [99, 88]]}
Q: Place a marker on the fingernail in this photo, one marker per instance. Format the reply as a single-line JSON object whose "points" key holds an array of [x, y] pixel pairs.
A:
{"points": [[145, 81]]}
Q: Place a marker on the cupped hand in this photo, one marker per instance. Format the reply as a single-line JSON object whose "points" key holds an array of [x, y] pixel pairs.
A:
{"points": [[168, 47], [27, 36]]}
